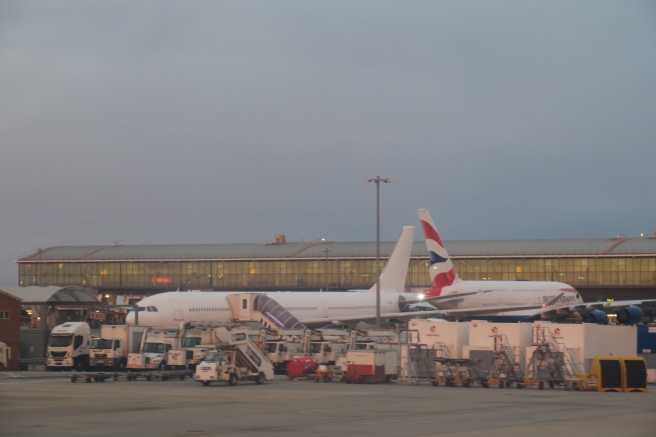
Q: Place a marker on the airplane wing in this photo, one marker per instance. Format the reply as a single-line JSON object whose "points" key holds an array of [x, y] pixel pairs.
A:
{"points": [[438, 302], [606, 307], [458, 313]]}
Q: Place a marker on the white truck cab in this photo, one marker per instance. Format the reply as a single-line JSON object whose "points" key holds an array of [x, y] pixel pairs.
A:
{"points": [[68, 346]]}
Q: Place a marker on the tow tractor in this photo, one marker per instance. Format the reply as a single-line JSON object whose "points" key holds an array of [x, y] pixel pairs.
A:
{"points": [[326, 373]]}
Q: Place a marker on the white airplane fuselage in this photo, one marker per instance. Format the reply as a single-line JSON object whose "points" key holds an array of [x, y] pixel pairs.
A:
{"points": [[510, 294], [213, 306]]}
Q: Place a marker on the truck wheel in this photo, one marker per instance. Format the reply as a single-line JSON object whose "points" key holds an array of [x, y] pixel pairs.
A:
{"points": [[233, 379], [206, 383], [259, 379], [2, 367]]}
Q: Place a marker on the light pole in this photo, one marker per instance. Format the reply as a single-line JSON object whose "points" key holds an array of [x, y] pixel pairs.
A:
{"points": [[326, 251], [378, 180]]}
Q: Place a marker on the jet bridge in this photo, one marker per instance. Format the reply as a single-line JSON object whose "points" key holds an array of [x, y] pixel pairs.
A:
{"points": [[258, 307]]}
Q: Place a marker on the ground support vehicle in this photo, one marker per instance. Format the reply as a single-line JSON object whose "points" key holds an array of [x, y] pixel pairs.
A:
{"points": [[68, 346], [116, 342], [164, 375], [454, 371], [327, 373], [301, 367], [5, 355], [280, 353], [156, 343], [237, 358], [371, 366]]}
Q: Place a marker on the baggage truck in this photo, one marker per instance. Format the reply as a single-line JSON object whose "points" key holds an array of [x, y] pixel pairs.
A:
{"points": [[116, 342], [68, 346]]}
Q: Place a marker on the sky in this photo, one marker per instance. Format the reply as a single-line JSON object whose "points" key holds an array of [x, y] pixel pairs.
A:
{"points": [[182, 122]]}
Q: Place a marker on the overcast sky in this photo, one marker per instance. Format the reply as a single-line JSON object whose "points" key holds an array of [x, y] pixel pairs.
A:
{"points": [[143, 122]]}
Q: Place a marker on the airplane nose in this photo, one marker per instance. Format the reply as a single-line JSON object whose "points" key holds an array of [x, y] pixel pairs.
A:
{"points": [[129, 319]]}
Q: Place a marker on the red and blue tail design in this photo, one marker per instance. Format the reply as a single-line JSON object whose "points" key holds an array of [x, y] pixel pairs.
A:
{"points": [[441, 270]]}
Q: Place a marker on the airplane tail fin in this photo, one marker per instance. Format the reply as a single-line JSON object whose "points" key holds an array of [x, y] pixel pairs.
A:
{"points": [[393, 277], [441, 270]]}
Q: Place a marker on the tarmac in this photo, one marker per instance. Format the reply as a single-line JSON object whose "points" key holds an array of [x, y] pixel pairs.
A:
{"points": [[40, 403]]}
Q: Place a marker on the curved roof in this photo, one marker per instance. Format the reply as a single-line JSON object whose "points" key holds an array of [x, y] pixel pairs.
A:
{"points": [[50, 295], [319, 249]]}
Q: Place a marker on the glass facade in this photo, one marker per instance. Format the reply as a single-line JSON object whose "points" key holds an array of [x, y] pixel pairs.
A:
{"points": [[333, 274]]}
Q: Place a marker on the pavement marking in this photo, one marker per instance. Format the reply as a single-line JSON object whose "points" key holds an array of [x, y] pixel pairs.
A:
{"points": [[11, 375]]}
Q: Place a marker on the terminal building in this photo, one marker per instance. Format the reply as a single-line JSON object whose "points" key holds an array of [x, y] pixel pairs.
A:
{"points": [[601, 269]]}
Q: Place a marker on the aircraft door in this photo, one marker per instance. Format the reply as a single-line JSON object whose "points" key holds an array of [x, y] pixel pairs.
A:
{"points": [[244, 307], [241, 305], [177, 310]]}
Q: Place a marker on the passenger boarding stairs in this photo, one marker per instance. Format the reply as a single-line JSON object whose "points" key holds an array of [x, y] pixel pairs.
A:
{"points": [[507, 364], [258, 307], [247, 356], [416, 360], [551, 360]]}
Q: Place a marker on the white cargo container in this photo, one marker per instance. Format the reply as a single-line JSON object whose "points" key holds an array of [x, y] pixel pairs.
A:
{"points": [[371, 365], [585, 341], [485, 336], [447, 339]]}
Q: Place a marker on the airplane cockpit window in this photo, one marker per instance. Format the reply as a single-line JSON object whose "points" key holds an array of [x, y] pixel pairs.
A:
{"points": [[154, 309], [148, 309]]}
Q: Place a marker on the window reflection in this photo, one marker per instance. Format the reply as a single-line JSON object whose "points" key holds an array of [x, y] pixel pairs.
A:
{"points": [[339, 274]]}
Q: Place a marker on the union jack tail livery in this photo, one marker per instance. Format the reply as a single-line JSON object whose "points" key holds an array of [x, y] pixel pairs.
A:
{"points": [[441, 270]]}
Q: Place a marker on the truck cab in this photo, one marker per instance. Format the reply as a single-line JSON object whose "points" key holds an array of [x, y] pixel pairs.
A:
{"points": [[280, 352], [154, 350], [107, 352], [68, 346]]}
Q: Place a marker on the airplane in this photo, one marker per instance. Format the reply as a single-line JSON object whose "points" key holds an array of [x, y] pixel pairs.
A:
{"points": [[559, 300], [298, 310], [288, 310]]}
